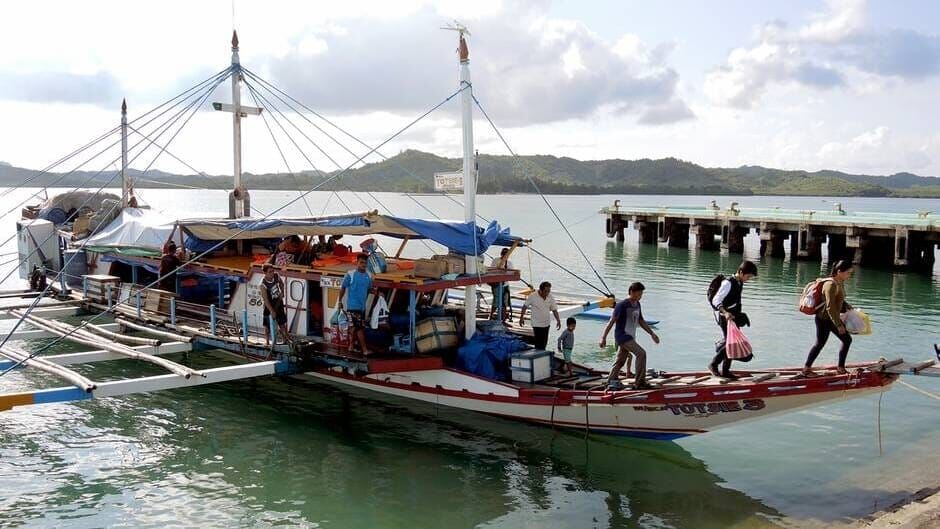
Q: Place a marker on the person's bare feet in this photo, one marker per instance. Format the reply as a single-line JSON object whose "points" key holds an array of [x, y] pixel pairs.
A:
{"points": [[807, 372], [841, 370]]}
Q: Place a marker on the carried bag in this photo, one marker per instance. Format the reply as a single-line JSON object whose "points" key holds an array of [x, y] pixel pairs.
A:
{"points": [[856, 322], [737, 345], [339, 329], [811, 300], [379, 314]]}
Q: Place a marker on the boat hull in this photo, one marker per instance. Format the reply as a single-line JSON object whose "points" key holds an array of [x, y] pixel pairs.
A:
{"points": [[665, 414]]}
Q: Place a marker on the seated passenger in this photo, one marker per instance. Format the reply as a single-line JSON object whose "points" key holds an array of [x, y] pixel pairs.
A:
{"points": [[288, 251]]}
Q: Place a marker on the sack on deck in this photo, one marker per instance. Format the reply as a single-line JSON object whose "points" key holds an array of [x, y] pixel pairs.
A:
{"points": [[737, 345], [856, 322], [379, 314]]}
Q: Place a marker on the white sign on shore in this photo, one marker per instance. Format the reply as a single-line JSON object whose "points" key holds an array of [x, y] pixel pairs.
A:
{"points": [[448, 181]]}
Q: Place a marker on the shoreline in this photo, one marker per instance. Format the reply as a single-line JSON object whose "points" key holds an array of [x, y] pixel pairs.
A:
{"points": [[920, 510]]}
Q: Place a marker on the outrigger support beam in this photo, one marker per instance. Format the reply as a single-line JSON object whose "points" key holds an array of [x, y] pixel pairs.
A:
{"points": [[22, 358], [143, 385], [101, 355], [77, 335]]}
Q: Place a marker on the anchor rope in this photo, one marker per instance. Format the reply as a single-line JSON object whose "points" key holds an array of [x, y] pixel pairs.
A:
{"points": [[923, 392], [224, 241], [499, 134]]}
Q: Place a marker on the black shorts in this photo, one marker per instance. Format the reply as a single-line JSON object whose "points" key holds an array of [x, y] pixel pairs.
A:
{"points": [[280, 315], [356, 319]]}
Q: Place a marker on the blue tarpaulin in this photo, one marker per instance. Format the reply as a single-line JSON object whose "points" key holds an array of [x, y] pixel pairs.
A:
{"points": [[461, 237], [487, 355]]}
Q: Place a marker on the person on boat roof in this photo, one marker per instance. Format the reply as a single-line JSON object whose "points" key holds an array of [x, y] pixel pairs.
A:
{"points": [[626, 316], [727, 306], [169, 263], [358, 284], [272, 296], [503, 263], [829, 318], [543, 306]]}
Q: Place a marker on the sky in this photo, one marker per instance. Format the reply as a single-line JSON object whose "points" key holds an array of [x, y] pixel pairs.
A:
{"points": [[840, 84]]}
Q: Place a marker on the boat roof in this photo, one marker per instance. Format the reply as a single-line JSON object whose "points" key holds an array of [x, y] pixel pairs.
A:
{"points": [[462, 237]]}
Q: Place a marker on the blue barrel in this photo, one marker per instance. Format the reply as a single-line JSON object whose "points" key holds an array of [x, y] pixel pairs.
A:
{"points": [[75, 269]]}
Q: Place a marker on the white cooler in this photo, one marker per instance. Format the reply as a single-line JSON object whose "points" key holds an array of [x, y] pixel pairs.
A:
{"points": [[530, 366]]}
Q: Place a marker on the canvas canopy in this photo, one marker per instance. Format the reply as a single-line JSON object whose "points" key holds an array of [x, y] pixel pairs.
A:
{"points": [[135, 231], [462, 237]]}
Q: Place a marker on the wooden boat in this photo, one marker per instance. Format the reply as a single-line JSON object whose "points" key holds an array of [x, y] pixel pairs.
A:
{"points": [[217, 306]]}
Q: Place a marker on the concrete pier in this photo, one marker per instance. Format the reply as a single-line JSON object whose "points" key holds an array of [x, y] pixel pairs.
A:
{"points": [[905, 241]]}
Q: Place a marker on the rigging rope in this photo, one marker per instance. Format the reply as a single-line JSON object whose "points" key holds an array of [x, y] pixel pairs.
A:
{"points": [[195, 108], [183, 95], [172, 121], [220, 243], [331, 159], [542, 196], [264, 119], [277, 93]]}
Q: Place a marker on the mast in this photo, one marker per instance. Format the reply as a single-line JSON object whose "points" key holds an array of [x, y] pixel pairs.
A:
{"points": [[238, 200], [469, 177], [238, 209], [127, 187]]}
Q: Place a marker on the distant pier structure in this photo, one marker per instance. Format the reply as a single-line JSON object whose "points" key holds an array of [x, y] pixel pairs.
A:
{"points": [[892, 239]]}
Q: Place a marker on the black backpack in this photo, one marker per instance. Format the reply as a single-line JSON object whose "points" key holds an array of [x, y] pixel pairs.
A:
{"points": [[713, 289]]}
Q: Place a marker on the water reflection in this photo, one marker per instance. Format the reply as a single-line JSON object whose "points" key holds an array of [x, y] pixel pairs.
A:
{"points": [[268, 450]]}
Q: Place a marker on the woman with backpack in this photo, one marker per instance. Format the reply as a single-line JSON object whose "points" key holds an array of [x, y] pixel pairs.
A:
{"points": [[724, 295], [829, 317]]}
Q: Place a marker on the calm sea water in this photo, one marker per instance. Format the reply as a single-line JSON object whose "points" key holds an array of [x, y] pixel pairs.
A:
{"points": [[276, 453]]}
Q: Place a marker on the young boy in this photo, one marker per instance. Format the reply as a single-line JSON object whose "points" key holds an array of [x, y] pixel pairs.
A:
{"points": [[626, 317], [566, 342]]}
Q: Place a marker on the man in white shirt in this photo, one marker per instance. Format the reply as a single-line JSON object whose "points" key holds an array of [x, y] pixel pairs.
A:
{"points": [[543, 306]]}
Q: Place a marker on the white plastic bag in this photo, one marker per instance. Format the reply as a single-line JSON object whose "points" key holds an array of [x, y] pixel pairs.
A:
{"points": [[379, 314], [856, 322]]}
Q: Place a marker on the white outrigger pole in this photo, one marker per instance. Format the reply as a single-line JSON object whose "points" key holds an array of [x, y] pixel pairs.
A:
{"points": [[469, 175]]}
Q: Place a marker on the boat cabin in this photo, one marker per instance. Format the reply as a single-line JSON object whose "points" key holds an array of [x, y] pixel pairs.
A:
{"points": [[312, 255]]}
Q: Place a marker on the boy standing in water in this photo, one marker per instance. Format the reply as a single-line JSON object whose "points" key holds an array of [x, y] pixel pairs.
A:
{"points": [[627, 315], [566, 342]]}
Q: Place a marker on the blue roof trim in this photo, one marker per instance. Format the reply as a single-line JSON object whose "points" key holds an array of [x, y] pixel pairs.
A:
{"points": [[459, 236]]}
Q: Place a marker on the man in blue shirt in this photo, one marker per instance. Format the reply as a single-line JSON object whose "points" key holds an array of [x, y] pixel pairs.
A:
{"points": [[627, 315], [357, 283]]}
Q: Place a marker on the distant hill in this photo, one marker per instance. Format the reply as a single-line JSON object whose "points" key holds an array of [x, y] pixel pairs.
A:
{"points": [[412, 171]]}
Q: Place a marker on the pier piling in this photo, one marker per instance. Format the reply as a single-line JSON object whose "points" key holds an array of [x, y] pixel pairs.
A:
{"points": [[905, 241]]}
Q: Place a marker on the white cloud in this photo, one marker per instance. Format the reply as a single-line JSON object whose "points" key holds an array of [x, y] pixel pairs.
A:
{"points": [[835, 46]]}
